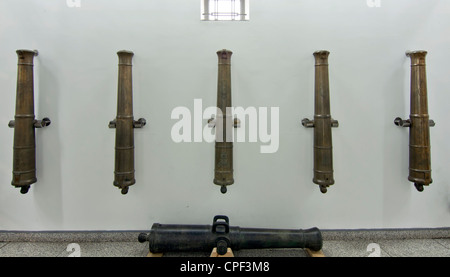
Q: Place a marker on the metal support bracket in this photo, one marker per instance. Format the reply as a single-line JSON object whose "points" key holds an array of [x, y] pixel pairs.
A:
{"points": [[141, 122], [212, 122], [112, 124], [407, 123], [36, 124], [334, 123], [307, 123], [42, 123]]}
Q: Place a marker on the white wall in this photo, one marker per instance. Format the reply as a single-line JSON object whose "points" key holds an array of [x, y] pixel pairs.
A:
{"points": [[272, 65]]}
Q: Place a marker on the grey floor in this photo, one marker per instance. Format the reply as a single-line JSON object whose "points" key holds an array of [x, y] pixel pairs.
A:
{"points": [[331, 248]]}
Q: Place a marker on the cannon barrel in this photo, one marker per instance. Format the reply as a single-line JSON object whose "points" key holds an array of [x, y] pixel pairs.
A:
{"points": [[24, 123], [322, 124], [124, 124], [419, 123], [203, 238], [223, 170]]}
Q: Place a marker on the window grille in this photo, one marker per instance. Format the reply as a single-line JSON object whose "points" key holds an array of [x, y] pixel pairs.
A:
{"points": [[224, 10]]}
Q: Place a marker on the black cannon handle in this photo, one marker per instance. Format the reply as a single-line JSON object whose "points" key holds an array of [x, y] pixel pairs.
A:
{"points": [[217, 223]]}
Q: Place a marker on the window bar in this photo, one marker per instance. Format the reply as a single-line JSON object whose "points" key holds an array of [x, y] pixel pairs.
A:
{"points": [[233, 10], [242, 11], [205, 9], [216, 13]]}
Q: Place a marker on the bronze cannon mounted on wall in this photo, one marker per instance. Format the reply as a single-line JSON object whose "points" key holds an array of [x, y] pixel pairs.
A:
{"points": [[419, 123], [124, 125], [203, 238], [223, 170], [24, 123], [322, 123]]}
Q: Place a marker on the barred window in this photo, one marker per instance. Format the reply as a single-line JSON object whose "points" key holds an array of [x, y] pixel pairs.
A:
{"points": [[225, 10]]}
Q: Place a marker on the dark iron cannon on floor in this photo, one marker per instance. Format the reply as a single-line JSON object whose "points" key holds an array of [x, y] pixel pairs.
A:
{"points": [[203, 238]]}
